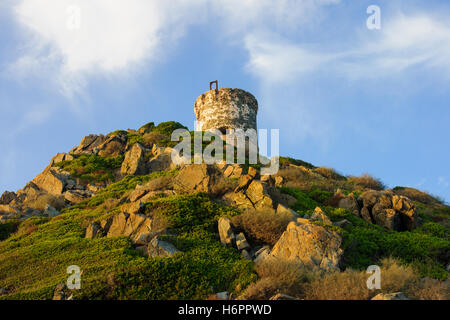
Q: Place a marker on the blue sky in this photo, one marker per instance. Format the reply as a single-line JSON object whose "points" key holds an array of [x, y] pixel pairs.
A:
{"points": [[343, 96]]}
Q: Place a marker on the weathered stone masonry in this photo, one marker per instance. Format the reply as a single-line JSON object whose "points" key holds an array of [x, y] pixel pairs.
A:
{"points": [[226, 108]]}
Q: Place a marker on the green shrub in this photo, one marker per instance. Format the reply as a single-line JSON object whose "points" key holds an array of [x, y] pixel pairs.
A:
{"points": [[287, 160], [304, 202], [364, 245], [6, 229], [134, 138], [167, 128], [32, 264], [118, 189], [92, 168]]}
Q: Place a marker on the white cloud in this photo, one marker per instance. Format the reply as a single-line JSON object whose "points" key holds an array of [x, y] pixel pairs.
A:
{"points": [[404, 43], [113, 37], [120, 37]]}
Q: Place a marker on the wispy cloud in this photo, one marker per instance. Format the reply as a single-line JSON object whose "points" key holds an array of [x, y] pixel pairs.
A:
{"points": [[404, 43]]}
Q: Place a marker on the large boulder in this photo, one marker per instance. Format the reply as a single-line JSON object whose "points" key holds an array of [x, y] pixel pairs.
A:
{"points": [[259, 195], [161, 161], [129, 225], [388, 210], [319, 215], [60, 157], [350, 203], [233, 171], [50, 181], [93, 230], [76, 196], [407, 209], [113, 146], [7, 209], [29, 193], [309, 244], [134, 163], [226, 234], [160, 248], [122, 224], [51, 212], [7, 197], [283, 210], [237, 200], [89, 144], [194, 178]]}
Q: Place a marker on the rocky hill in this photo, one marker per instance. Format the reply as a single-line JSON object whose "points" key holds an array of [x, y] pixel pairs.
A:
{"points": [[140, 227]]}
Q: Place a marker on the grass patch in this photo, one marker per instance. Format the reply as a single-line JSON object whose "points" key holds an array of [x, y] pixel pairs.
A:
{"points": [[92, 168], [424, 249], [33, 262], [304, 201]]}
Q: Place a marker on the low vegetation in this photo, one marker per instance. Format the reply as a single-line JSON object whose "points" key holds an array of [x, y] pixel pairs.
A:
{"points": [[366, 181], [112, 268], [92, 168], [262, 225], [425, 248], [290, 278], [43, 201], [35, 253]]}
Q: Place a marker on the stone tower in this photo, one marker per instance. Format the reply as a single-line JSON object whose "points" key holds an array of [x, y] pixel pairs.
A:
{"points": [[226, 108]]}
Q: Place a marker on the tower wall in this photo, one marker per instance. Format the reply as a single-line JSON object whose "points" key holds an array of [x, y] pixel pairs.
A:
{"points": [[226, 108]]}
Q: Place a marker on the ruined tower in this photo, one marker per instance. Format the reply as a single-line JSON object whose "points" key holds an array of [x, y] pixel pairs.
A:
{"points": [[226, 108]]}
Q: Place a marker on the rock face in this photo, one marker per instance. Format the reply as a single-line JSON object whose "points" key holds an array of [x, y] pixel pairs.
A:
{"points": [[88, 144], [226, 234], [105, 146], [161, 161], [233, 171], [6, 209], [241, 242], [226, 108], [60, 157], [128, 225], [121, 224], [258, 194], [134, 163], [7, 197], [281, 209], [310, 244], [194, 178], [159, 248], [319, 215], [350, 203], [76, 196], [51, 212], [239, 200], [386, 209], [390, 296], [50, 181]]}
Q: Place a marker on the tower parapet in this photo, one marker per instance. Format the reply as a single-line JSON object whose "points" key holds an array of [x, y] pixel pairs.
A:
{"points": [[226, 108]]}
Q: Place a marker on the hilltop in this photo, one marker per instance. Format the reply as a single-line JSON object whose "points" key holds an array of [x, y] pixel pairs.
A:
{"points": [[141, 227]]}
